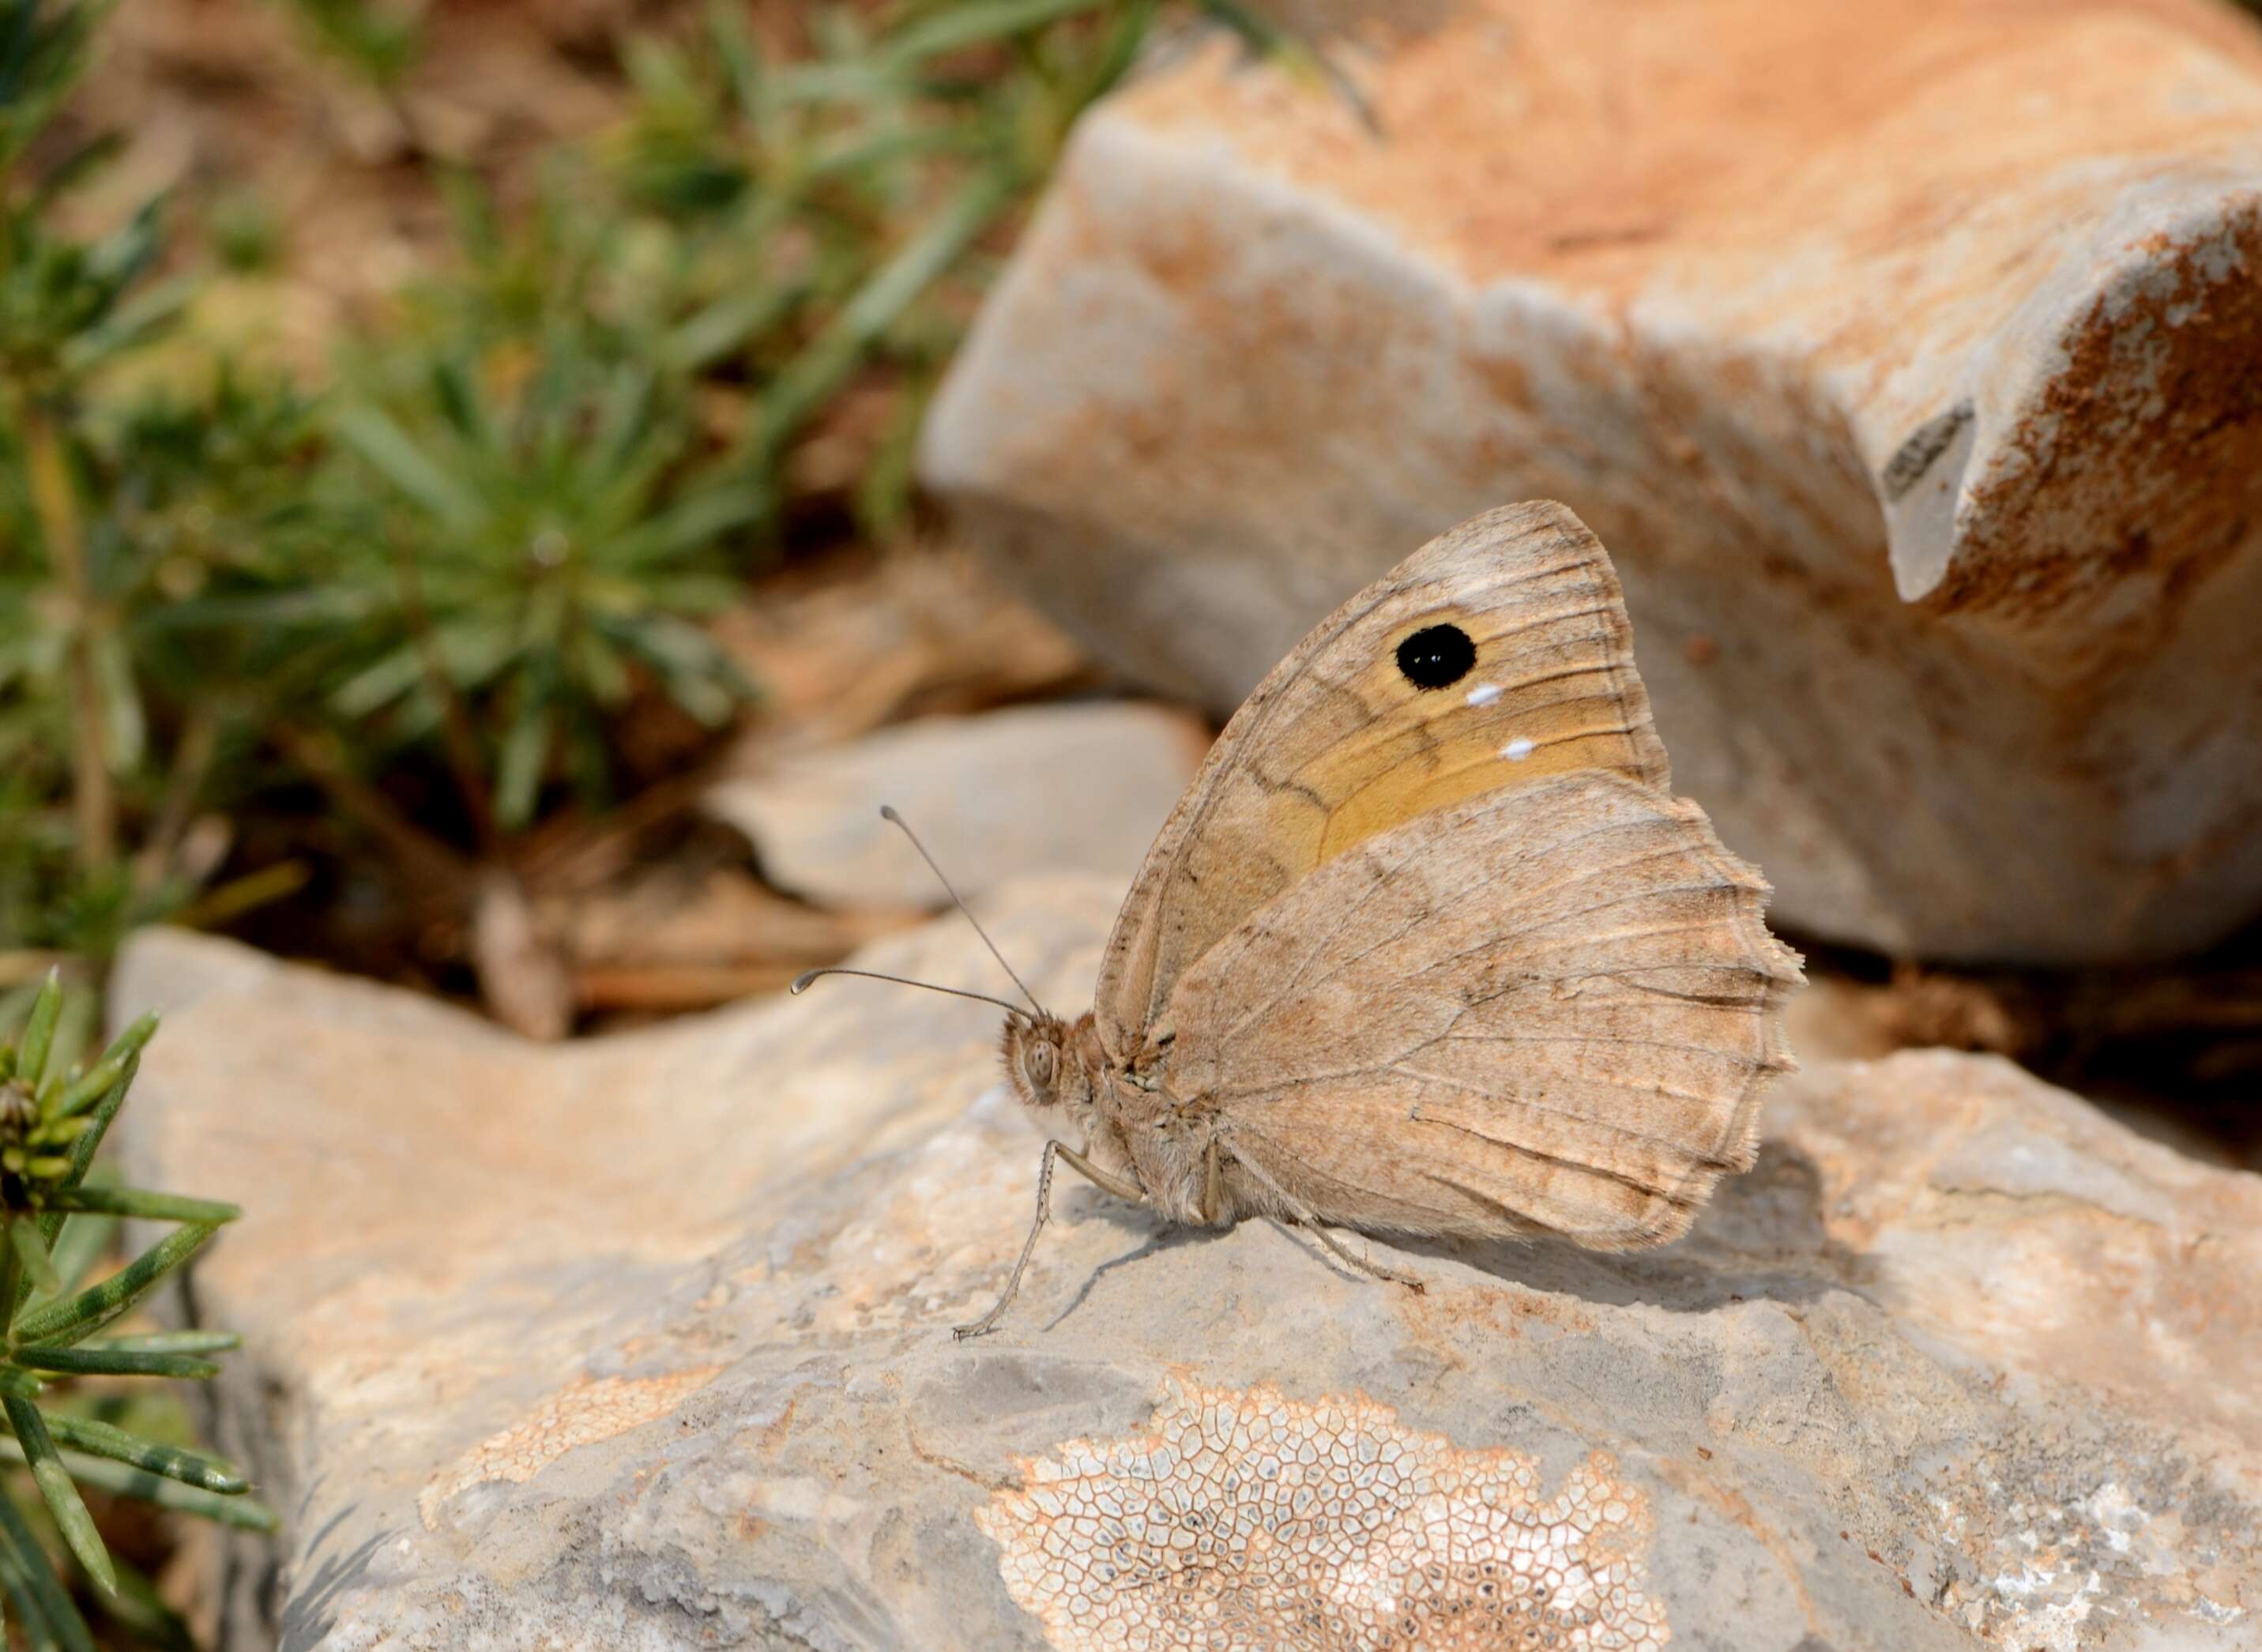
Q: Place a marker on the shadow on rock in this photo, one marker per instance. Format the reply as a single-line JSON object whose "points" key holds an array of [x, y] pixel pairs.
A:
{"points": [[308, 1618], [1761, 1237]]}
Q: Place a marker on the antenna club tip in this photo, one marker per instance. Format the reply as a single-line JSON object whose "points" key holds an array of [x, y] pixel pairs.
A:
{"points": [[888, 812], [801, 982]]}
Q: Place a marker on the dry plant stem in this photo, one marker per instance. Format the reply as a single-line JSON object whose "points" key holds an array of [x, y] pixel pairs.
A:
{"points": [[418, 851], [94, 801], [585, 853], [462, 743], [1126, 1191], [192, 758]]}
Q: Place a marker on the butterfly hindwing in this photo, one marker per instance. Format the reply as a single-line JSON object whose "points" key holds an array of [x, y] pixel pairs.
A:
{"points": [[1547, 1008], [1497, 656]]}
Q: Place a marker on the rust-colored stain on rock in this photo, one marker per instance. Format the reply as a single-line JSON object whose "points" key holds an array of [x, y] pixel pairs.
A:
{"points": [[579, 1414], [1249, 1522], [1903, 357], [1615, 158]]}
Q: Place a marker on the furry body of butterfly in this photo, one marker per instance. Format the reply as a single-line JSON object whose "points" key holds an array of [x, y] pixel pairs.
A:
{"points": [[1427, 946]]}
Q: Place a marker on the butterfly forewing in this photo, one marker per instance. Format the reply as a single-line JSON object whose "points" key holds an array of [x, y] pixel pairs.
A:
{"points": [[1548, 1008], [1497, 656]]}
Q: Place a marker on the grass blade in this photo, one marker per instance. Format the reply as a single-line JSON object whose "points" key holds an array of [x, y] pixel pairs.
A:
{"points": [[812, 376], [81, 1242], [123, 1480], [12, 1287], [171, 1342], [393, 453], [137, 1201], [82, 1158], [104, 1111], [32, 1250], [955, 28], [49, 1618], [84, 1361], [105, 1301], [97, 1081], [62, 1498], [189, 1467], [40, 1032]]}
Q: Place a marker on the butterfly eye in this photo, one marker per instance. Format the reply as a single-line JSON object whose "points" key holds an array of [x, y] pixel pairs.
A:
{"points": [[1041, 1061], [1436, 656]]}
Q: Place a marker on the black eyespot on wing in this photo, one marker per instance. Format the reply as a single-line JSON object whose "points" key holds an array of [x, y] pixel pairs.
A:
{"points": [[1436, 656]]}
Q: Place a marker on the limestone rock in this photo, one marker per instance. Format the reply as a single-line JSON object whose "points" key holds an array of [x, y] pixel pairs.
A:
{"points": [[1076, 786], [1903, 355], [643, 1342]]}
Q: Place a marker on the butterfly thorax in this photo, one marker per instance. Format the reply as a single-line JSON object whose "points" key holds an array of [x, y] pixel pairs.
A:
{"points": [[1124, 1117], [1170, 1141]]}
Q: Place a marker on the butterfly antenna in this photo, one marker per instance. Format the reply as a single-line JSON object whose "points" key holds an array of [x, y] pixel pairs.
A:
{"points": [[888, 812], [801, 983]]}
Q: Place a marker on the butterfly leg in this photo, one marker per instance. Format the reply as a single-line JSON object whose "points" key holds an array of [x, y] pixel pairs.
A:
{"points": [[1092, 1173], [1334, 1246], [1213, 1197]]}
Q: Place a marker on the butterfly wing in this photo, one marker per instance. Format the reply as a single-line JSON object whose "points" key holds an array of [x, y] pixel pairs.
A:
{"points": [[1547, 1008], [1377, 718]]}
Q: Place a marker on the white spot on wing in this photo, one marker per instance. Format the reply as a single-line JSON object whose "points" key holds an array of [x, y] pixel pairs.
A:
{"points": [[1484, 694], [1518, 749]]}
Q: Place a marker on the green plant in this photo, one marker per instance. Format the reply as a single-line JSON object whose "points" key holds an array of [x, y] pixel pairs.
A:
{"points": [[380, 43], [480, 555], [532, 549], [60, 1222], [542, 461], [512, 524], [827, 210], [66, 307], [117, 501], [95, 798]]}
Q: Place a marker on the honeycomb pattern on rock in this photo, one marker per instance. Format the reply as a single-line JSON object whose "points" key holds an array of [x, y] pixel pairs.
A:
{"points": [[1251, 1522]]}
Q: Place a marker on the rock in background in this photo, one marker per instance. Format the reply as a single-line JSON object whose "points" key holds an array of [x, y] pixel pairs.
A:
{"points": [[1904, 355], [1077, 787], [643, 1342]]}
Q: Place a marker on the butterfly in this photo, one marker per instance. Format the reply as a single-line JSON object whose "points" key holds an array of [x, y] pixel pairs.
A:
{"points": [[1428, 947]]}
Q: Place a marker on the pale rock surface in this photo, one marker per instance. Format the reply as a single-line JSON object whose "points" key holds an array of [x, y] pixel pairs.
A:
{"points": [[1904, 355], [642, 1343], [1081, 786]]}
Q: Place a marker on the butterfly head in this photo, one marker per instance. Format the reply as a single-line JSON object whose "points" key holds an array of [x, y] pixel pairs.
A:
{"points": [[1038, 1056]]}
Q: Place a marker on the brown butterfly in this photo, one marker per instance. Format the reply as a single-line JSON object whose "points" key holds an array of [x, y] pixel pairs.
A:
{"points": [[1427, 946]]}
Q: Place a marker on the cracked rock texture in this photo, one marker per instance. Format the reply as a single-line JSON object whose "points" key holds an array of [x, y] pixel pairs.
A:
{"points": [[1903, 355], [643, 1342]]}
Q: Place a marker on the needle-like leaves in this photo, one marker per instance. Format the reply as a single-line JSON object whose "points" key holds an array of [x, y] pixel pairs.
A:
{"points": [[149, 1207], [57, 1224], [80, 1242], [86, 1361], [31, 1252], [39, 1037], [45, 1610], [190, 1467], [83, 1091], [171, 1342], [63, 1498], [243, 1512], [88, 1310]]}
